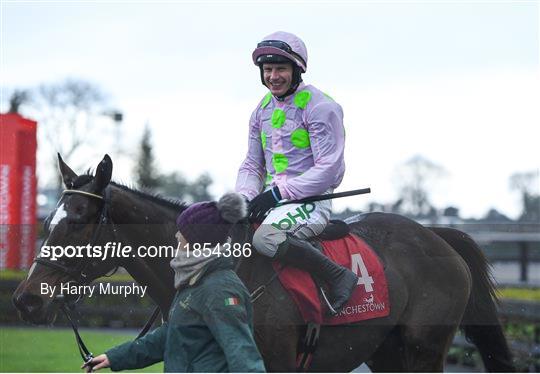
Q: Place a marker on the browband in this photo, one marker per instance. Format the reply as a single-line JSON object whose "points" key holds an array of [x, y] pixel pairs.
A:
{"points": [[67, 192]]}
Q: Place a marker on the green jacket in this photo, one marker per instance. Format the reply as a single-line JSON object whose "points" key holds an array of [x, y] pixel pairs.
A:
{"points": [[210, 329]]}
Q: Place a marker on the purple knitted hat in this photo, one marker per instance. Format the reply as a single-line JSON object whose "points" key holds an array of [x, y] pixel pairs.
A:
{"points": [[210, 221]]}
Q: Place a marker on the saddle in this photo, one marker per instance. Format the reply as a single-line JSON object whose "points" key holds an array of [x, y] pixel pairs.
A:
{"points": [[336, 229]]}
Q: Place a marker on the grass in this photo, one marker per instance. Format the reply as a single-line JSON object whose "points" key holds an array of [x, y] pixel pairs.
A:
{"points": [[19, 275], [529, 294], [9, 274], [54, 350]]}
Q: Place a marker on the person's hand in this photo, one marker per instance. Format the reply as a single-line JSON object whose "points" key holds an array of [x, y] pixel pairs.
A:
{"points": [[99, 362], [262, 203]]}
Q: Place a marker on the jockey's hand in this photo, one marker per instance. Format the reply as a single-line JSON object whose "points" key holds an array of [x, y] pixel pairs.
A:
{"points": [[263, 203], [99, 362]]}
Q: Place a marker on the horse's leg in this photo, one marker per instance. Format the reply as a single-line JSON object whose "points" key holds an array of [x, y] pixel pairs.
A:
{"points": [[277, 344], [427, 347], [413, 349], [438, 282], [389, 356], [433, 315], [344, 348], [420, 341], [277, 329]]}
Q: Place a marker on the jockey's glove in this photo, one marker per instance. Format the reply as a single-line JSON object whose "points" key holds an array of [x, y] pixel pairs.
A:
{"points": [[262, 203]]}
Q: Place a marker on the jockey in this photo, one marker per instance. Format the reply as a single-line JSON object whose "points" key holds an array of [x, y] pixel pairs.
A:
{"points": [[295, 150]]}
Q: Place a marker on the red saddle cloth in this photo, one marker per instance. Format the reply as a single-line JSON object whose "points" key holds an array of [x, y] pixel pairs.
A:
{"points": [[370, 298]]}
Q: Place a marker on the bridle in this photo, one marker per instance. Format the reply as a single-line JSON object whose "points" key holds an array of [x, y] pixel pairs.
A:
{"points": [[80, 273]]}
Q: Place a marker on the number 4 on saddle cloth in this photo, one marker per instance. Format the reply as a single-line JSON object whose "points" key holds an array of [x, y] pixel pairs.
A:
{"points": [[370, 298]]}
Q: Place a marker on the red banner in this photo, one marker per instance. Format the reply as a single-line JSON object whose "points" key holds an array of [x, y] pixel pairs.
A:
{"points": [[17, 191]]}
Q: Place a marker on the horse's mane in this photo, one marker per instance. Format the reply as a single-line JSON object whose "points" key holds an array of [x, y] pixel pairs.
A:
{"points": [[168, 202], [147, 195]]}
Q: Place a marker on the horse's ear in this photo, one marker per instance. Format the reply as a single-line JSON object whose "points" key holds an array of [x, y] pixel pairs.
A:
{"points": [[68, 175], [103, 174]]}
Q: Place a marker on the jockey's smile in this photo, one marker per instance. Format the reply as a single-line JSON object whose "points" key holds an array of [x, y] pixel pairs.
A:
{"points": [[278, 78]]}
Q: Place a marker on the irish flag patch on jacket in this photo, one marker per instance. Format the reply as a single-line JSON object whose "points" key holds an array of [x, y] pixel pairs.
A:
{"points": [[232, 301]]}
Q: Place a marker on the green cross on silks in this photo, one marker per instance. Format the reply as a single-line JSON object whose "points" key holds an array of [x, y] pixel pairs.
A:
{"points": [[303, 212]]}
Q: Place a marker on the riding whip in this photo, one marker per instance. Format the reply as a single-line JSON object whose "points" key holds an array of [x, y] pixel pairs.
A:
{"points": [[336, 195]]}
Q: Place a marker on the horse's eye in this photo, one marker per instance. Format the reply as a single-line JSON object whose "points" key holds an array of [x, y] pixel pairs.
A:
{"points": [[80, 209], [77, 221]]}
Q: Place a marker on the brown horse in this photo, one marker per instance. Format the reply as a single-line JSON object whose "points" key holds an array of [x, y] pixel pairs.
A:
{"points": [[438, 281]]}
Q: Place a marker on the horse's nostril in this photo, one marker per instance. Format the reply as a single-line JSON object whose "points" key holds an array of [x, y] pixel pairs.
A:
{"points": [[28, 303]]}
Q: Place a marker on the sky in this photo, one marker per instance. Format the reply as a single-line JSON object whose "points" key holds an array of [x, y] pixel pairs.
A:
{"points": [[457, 82]]}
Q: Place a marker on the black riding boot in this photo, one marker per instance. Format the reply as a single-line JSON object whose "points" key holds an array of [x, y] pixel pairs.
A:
{"points": [[301, 254]]}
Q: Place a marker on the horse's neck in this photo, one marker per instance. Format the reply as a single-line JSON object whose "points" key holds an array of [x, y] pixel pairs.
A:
{"points": [[141, 222], [130, 208], [159, 279]]}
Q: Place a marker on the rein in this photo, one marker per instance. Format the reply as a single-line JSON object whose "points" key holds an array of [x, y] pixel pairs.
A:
{"points": [[79, 274], [86, 355], [259, 291]]}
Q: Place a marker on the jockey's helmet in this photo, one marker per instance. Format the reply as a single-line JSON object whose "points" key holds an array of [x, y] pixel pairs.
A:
{"points": [[282, 47]]}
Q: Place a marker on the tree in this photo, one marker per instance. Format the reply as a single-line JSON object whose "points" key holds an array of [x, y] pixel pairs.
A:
{"points": [[527, 183], [146, 173], [198, 190], [414, 178], [494, 216], [174, 184], [64, 111], [451, 211], [17, 99], [177, 186]]}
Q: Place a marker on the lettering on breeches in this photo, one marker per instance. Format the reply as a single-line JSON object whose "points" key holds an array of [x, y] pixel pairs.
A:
{"points": [[303, 213]]}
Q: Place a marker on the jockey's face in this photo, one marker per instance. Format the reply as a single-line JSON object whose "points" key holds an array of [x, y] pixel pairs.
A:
{"points": [[278, 78]]}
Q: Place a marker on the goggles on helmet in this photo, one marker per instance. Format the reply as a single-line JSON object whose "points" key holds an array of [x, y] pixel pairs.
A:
{"points": [[279, 44]]}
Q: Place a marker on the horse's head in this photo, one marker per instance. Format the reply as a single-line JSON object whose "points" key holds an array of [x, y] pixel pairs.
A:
{"points": [[79, 220]]}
